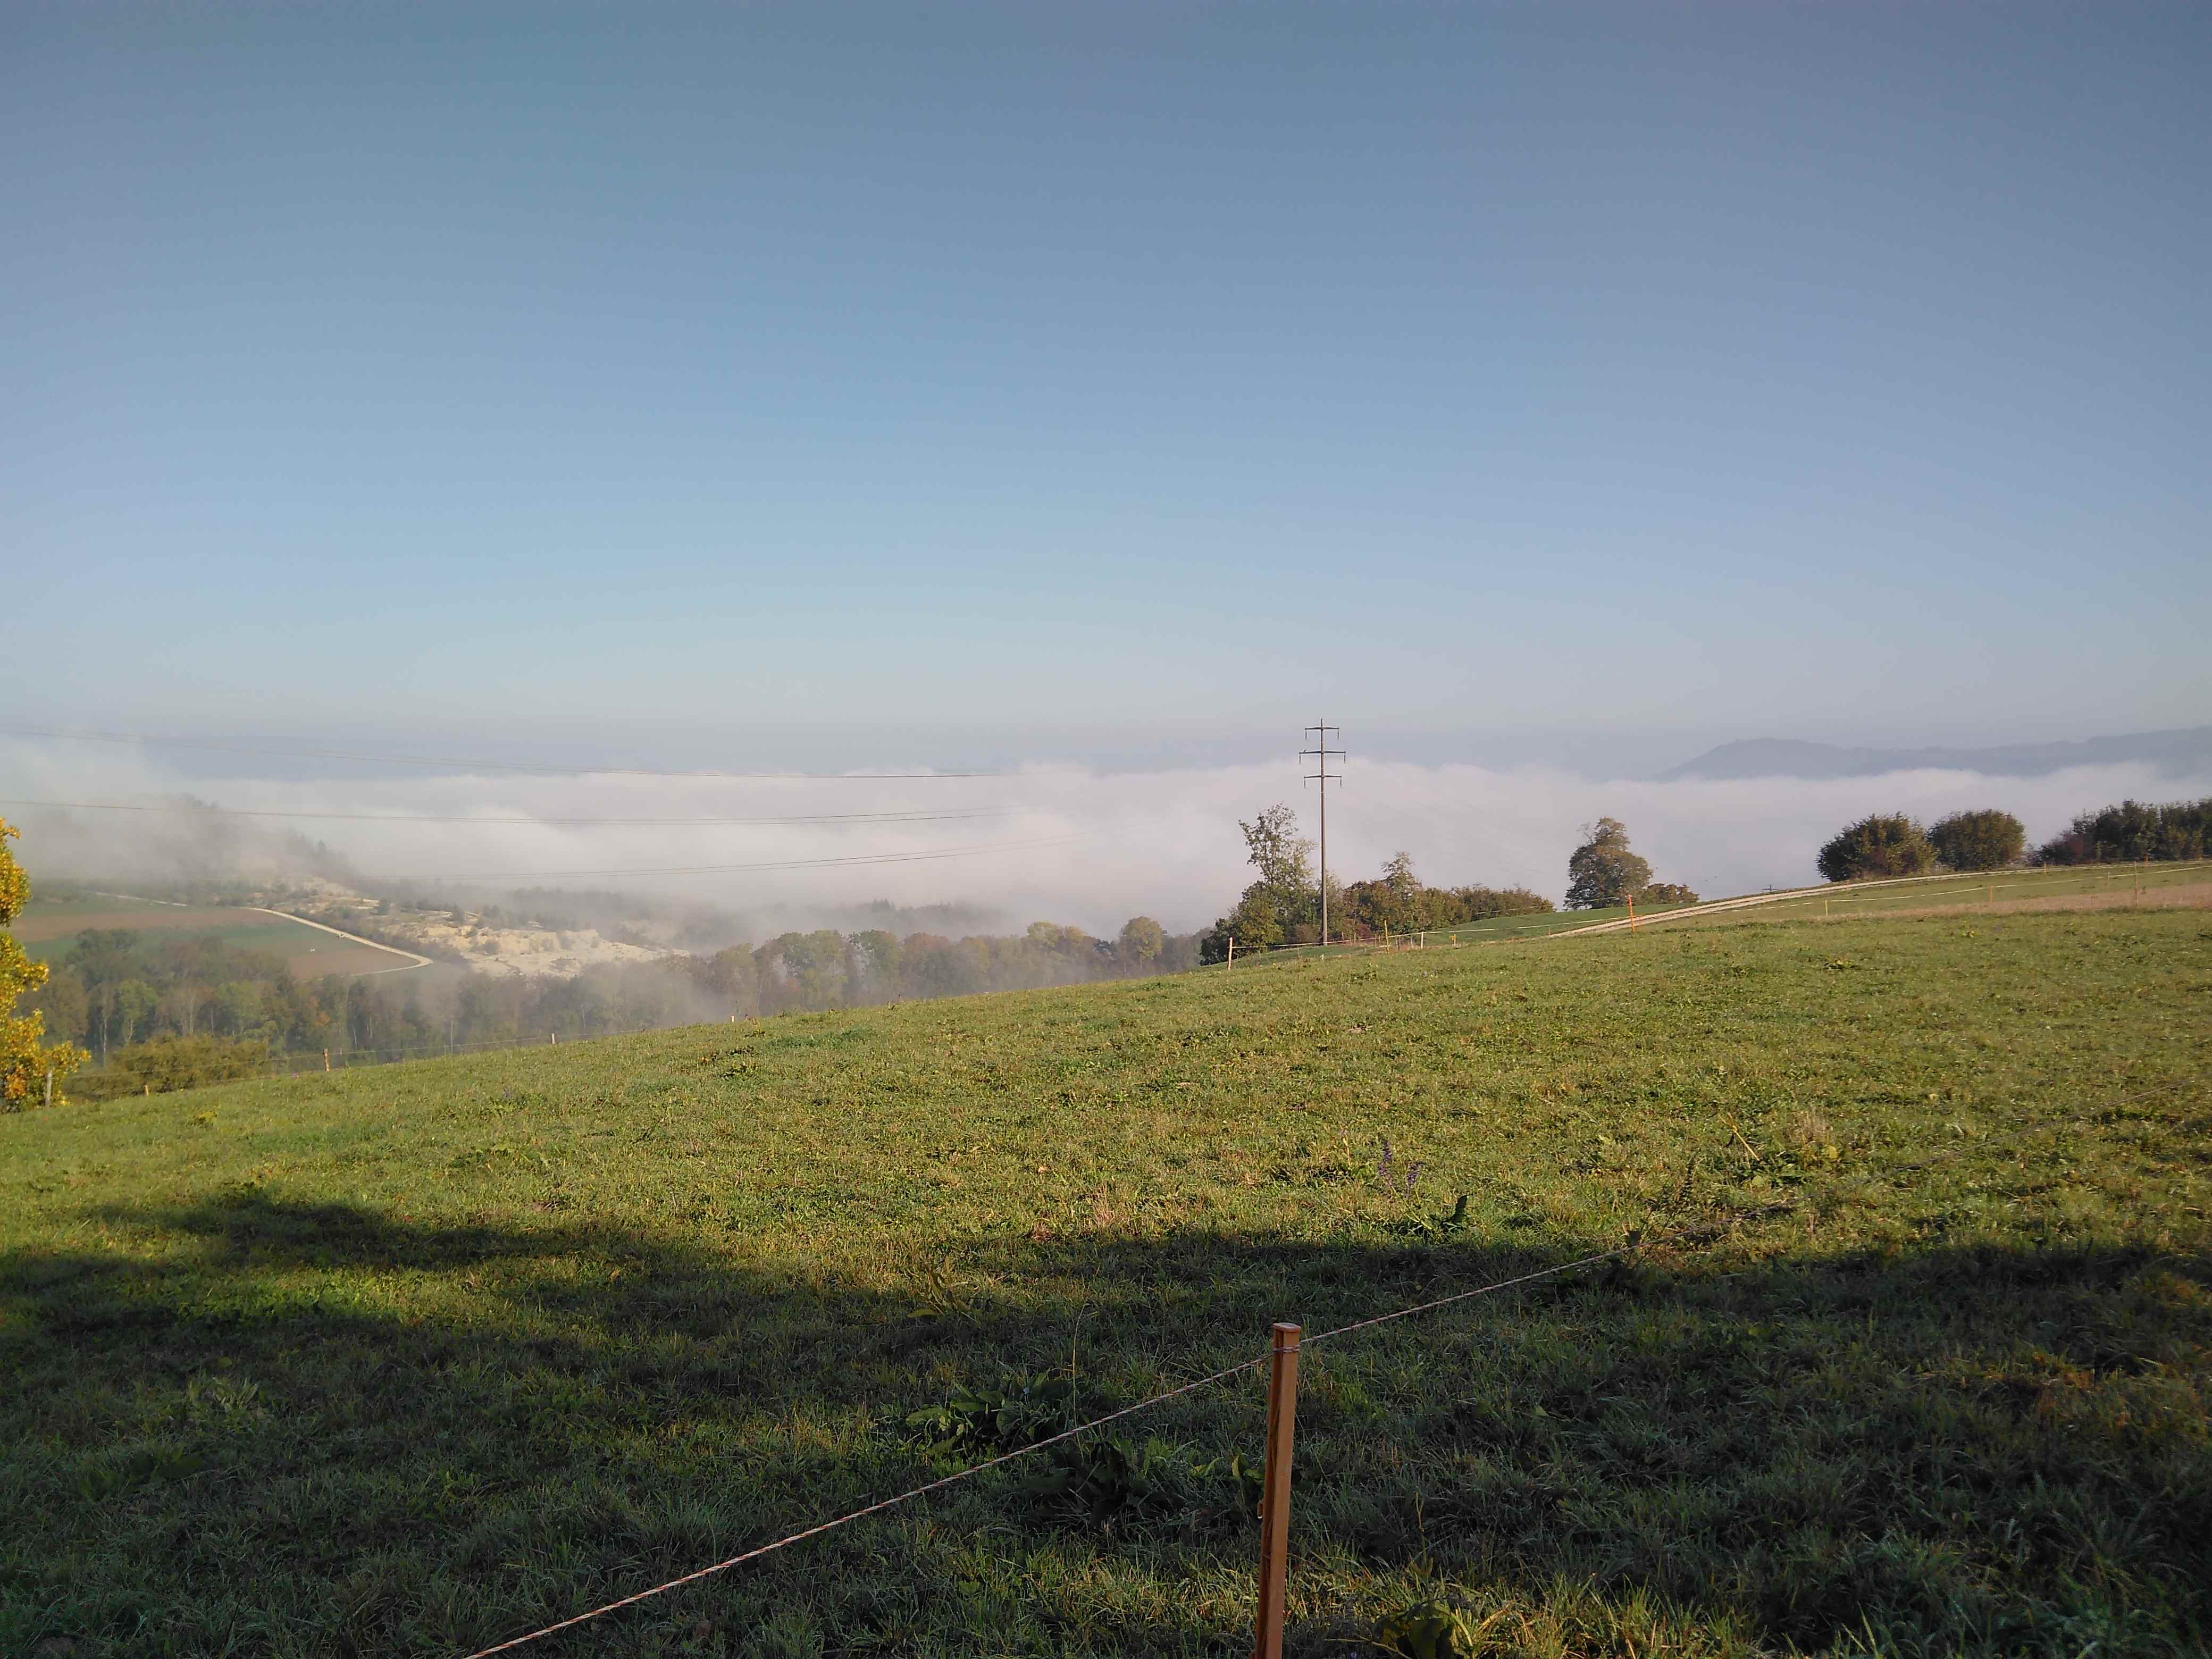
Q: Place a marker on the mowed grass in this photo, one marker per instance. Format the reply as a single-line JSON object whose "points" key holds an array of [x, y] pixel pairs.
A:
{"points": [[410, 1360], [1997, 890], [2078, 887], [1492, 930]]}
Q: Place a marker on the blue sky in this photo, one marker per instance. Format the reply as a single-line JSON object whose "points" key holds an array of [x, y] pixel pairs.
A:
{"points": [[892, 384]]}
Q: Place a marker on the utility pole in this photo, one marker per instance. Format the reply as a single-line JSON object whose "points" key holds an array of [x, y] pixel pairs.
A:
{"points": [[1324, 777]]}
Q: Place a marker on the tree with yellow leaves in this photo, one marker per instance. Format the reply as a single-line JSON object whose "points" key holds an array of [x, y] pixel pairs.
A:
{"points": [[26, 1064]]}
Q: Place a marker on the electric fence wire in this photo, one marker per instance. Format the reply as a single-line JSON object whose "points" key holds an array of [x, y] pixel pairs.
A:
{"points": [[974, 1469], [1708, 1230], [939, 1485]]}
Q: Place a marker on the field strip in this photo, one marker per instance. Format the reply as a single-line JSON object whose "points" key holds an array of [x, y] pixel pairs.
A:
{"points": [[413, 961], [1745, 901]]}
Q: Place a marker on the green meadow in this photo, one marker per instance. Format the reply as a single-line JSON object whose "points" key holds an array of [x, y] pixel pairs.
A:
{"points": [[1912, 1357], [2184, 882], [48, 931]]}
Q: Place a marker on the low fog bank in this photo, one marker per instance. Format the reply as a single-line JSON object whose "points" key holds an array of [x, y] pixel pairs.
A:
{"points": [[1062, 842], [159, 1011]]}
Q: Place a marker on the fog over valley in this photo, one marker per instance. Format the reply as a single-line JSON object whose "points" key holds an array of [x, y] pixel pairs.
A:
{"points": [[1068, 843]]}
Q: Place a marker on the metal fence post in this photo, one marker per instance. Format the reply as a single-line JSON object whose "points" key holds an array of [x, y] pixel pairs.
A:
{"points": [[1275, 1492]]}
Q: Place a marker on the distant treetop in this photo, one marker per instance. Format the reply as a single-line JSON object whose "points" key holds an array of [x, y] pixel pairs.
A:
{"points": [[1602, 872], [1881, 846]]}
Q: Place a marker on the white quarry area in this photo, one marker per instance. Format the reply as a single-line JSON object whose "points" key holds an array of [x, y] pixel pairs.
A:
{"points": [[504, 947]]}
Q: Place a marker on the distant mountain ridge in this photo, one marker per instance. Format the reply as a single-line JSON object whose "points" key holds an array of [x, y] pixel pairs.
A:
{"points": [[2185, 752]]}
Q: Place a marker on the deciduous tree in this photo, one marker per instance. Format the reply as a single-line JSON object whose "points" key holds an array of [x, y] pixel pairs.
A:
{"points": [[1141, 942], [1284, 858], [1602, 871], [2132, 831], [1882, 846], [26, 1060], [1284, 904], [1984, 839]]}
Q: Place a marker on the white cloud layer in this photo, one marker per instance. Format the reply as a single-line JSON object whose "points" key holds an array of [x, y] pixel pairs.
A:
{"points": [[1075, 845]]}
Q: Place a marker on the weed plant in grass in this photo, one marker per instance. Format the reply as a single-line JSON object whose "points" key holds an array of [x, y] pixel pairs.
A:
{"points": [[411, 1360]]}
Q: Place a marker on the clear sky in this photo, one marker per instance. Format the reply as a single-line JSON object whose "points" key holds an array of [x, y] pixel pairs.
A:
{"points": [[925, 384]]}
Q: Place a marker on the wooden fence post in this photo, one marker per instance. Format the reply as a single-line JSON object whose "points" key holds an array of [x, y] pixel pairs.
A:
{"points": [[1275, 1492], [1233, 951]]}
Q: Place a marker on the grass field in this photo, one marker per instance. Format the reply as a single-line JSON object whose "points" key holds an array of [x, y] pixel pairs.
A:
{"points": [[2156, 884], [410, 1360], [2183, 884], [1496, 930], [47, 930]]}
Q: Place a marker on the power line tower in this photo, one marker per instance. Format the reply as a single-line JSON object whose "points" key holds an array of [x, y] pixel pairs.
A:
{"points": [[1324, 777]]}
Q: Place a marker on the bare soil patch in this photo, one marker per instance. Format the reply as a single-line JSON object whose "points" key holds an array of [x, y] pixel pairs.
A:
{"points": [[340, 957]]}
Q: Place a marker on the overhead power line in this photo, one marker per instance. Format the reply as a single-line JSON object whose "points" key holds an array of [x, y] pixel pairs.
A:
{"points": [[469, 817], [230, 746]]}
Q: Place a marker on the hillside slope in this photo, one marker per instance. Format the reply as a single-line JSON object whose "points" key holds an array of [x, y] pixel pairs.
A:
{"points": [[410, 1360]]}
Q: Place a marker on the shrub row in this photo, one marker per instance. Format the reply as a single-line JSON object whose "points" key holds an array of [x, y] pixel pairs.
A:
{"points": [[1887, 845]]}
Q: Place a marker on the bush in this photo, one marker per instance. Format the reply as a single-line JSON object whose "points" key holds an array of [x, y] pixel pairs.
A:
{"points": [[1400, 903], [1986, 840], [1478, 904], [168, 1064], [1253, 924], [1667, 892], [2133, 833], [1877, 847]]}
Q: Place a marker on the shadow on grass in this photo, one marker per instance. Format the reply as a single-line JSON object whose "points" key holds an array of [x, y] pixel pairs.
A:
{"points": [[267, 1426]]}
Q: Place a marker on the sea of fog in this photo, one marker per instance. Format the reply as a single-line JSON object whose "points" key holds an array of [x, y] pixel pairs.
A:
{"points": [[1055, 841]]}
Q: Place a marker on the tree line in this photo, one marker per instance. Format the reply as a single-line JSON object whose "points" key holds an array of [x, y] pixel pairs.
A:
{"points": [[1889, 845], [160, 1013], [1283, 906]]}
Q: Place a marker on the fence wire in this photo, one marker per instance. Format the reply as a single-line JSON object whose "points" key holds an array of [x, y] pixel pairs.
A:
{"points": [[1707, 1230], [1081, 1429]]}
